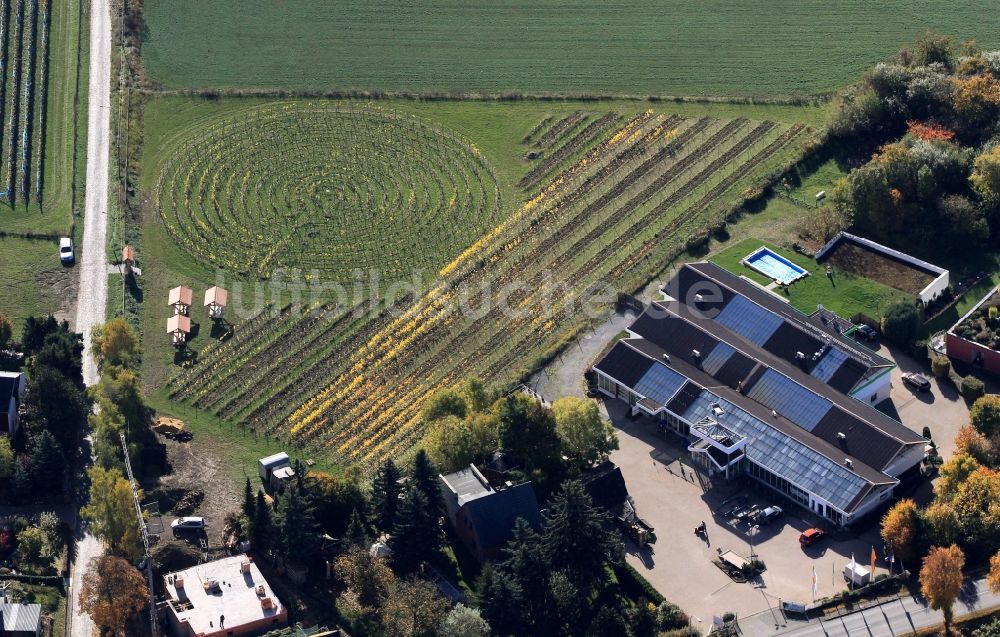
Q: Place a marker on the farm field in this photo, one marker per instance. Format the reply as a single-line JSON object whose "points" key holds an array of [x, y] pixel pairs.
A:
{"points": [[637, 47], [847, 295], [607, 200]]}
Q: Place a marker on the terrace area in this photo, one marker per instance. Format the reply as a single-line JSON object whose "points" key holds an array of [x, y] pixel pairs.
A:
{"points": [[975, 338]]}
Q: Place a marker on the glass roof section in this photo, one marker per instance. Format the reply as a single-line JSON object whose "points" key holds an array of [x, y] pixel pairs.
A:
{"points": [[749, 320], [717, 358], [781, 454], [829, 364], [790, 399], [659, 383]]}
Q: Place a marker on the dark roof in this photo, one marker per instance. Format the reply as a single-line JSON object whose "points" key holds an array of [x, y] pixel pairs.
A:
{"points": [[493, 515], [606, 487], [624, 364]]}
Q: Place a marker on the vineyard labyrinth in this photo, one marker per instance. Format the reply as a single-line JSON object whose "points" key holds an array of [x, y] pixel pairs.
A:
{"points": [[326, 188]]}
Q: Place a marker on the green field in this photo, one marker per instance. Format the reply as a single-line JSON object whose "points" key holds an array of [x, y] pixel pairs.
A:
{"points": [[845, 294], [678, 47], [592, 195]]}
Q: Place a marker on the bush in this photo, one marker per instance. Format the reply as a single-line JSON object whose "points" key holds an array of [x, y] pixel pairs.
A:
{"points": [[900, 323], [670, 616], [635, 585], [972, 388], [940, 366]]}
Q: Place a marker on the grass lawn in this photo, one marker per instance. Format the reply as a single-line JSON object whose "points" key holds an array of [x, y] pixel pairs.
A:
{"points": [[37, 282], [845, 294], [636, 47]]}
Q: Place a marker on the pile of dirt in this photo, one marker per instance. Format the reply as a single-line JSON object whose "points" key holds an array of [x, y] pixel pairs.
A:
{"points": [[179, 501], [164, 425], [174, 556]]}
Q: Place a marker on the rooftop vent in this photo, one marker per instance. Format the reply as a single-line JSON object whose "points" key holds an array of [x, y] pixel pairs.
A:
{"points": [[245, 566], [178, 582], [666, 357], [717, 410], [698, 298], [695, 354], [841, 435], [799, 356], [774, 414], [848, 463]]}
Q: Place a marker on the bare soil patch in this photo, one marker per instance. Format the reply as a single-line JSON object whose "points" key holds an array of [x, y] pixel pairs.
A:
{"points": [[850, 257]]}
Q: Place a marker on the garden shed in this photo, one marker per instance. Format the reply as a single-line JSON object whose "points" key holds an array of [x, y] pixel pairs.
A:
{"points": [[267, 466], [180, 299], [178, 327], [215, 300]]}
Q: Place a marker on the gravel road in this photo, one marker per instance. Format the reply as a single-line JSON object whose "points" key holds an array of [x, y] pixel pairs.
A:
{"points": [[92, 256]]}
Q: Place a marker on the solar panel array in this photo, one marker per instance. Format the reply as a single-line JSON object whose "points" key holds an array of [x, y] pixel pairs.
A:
{"points": [[781, 454], [659, 383], [829, 364], [749, 320], [717, 358], [776, 391]]}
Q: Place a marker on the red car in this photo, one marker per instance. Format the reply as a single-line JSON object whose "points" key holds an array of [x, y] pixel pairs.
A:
{"points": [[810, 536]]}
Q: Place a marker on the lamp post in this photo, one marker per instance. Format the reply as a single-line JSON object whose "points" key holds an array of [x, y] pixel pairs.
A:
{"points": [[753, 529]]}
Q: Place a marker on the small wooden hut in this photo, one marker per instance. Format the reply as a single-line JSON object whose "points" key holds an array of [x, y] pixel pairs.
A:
{"points": [[178, 327], [215, 301], [180, 300]]}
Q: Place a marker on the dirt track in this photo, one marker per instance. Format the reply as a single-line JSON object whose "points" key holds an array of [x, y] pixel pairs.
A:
{"points": [[91, 255]]}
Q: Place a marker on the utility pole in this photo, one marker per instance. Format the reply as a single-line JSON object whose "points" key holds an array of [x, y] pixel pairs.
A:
{"points": [[145, 537]]}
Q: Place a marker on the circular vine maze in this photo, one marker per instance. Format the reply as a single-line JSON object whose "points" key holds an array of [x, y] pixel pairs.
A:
{"points": [[324, 187]]}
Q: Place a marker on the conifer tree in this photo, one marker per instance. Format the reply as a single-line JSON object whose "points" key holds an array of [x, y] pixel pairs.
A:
{"points": [[385, 496]]}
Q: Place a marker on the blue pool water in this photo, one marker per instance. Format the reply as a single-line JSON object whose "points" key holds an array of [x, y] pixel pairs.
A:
{"points": [[774, 266]]}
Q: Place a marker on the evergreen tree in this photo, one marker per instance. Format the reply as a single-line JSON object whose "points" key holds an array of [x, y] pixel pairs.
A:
{"points": [[55, 403], [248, 500], [385, 496], [523, 561], [425, 478], [608, 623], [357, 533], [296, 525], [20, 482], [501, 601], [576, 539], [416, 537], [47, 464], [35, 330], [262, 526], [63, 351]]}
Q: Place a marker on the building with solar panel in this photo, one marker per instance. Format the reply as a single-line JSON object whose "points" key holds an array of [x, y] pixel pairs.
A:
{"points": [[758, 388]]}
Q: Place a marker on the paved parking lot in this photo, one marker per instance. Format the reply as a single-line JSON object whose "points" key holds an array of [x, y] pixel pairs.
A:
{"points": [[669, 496]]}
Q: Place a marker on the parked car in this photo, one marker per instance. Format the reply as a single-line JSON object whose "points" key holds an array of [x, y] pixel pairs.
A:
{"points": [[917, 381], [66, 250], [811, 536], [867, 331], [187, 524], [767, 515]]}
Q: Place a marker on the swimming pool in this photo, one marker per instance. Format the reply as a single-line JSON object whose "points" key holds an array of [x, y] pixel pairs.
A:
{"points": [[774, 266]]}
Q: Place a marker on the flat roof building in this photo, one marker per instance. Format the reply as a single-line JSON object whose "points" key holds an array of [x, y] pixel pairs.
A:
{"points": [[227, 597], [757, 388]]}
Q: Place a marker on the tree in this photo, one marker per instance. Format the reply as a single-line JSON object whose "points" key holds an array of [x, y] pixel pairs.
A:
{"points": [[642, 619], [985, 177], [55, 403], [248, 500], [111, 512], [112, 592], [368, 580], [934, 48], [993, 578], [941, 579], [6, 458], [47, 463], [262, 527], [976, 505], [385, 495], [334, 498], [985, 415], [235, 528], [901, 322], [575, 538], [583, 434], [901, 528], [6, 330], [114, 344], [32, 551], [607, 623], [453, 443], [414, 608], [121, 387], [463, 621], [444, 402], [991, 629], [478, 396], [971, 388], [416, 537], [523, 560], [527, 430], [295, 521], [500, 601], [942, 523], [940, 366], [63, 351], [970, 442], [20, 481], [953, 473], [424, 476], [35, 330], [357, 535]]}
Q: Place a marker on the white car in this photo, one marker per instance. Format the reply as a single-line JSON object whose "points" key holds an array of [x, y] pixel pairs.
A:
{"points": [[66, 250], [188, 524]]}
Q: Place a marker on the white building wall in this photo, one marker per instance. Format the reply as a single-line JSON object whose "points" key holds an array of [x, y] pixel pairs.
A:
{"points": [[935, 289], [908, 459], [876, 390]]}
